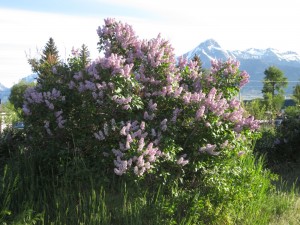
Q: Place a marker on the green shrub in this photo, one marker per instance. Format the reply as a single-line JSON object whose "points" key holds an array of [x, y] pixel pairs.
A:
{"points": [[281, 144], [136, 110], [11, 141]]}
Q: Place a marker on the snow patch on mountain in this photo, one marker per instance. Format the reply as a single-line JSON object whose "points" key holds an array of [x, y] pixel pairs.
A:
{"points": [[254, 61], [269, 53], [211, 49]]}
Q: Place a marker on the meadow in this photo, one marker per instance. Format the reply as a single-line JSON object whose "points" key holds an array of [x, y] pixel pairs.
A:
{"points": [[79, 194]]}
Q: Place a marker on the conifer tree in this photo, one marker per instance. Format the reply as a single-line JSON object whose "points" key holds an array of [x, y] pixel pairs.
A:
{"points": [[202, 70], [84, 55], [198, 60], [48, 61], [50, 53], [80, 58]]}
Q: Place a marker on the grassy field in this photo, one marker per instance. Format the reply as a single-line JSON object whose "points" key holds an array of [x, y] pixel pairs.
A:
{"points": [[289, 174], [79, 196]]}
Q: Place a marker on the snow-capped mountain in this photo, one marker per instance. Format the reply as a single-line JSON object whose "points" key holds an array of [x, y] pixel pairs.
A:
{"points": [[269, 54], [209, 50], [254, 61]]}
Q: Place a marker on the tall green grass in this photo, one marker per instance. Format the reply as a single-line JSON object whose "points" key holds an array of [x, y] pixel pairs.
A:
{"points": [[234, 193]]}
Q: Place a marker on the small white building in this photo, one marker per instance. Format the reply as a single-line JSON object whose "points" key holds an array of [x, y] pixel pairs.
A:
{"points": [[2, 119]]}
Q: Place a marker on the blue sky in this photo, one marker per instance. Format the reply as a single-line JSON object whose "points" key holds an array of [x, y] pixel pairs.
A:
{"points": [[26, 26], [77, 7]]}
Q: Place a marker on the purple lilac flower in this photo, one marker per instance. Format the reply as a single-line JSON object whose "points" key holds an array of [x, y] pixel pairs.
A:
{"points": [[225, 144], [99, 136], [245, 78], [240, 153], [200, 112], [163, 125], [277, 141], [26, 110], [181, 161], [123, 131], [175, 114], [46, 126], [209, 149]]}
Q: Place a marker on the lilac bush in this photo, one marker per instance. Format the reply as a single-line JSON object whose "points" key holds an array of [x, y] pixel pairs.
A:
{"points": [[139, 109]]}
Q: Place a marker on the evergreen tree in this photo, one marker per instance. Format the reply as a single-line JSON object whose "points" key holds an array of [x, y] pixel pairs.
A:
{"points": [[80, 58], [84, 55], [197, 59], [49, 61], [50, 53]]}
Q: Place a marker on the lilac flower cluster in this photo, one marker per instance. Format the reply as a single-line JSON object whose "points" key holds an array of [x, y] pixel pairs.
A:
{"points": [[33, 97], [157, 51], [122, 101], [59, 119], [143, 153], [116, 64], [182, 161], [123, 33], [152, 53], [228, 70], [46, 126], [209, 149], [229, 67]]}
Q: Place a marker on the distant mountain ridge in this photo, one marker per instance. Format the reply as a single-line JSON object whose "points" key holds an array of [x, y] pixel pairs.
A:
{"points": [[210, 49], [254, 61], [5, 91], [30, 78]]}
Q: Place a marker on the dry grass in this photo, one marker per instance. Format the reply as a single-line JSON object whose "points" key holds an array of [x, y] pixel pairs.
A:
{"points": [[290, 174], [290, 216]]}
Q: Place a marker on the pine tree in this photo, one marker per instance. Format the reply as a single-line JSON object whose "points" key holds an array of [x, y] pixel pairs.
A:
{"points": [[198, 60], [80, 58], [199, 63], [202, 70], [84, 55], [50, 53], [45, 65]]}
